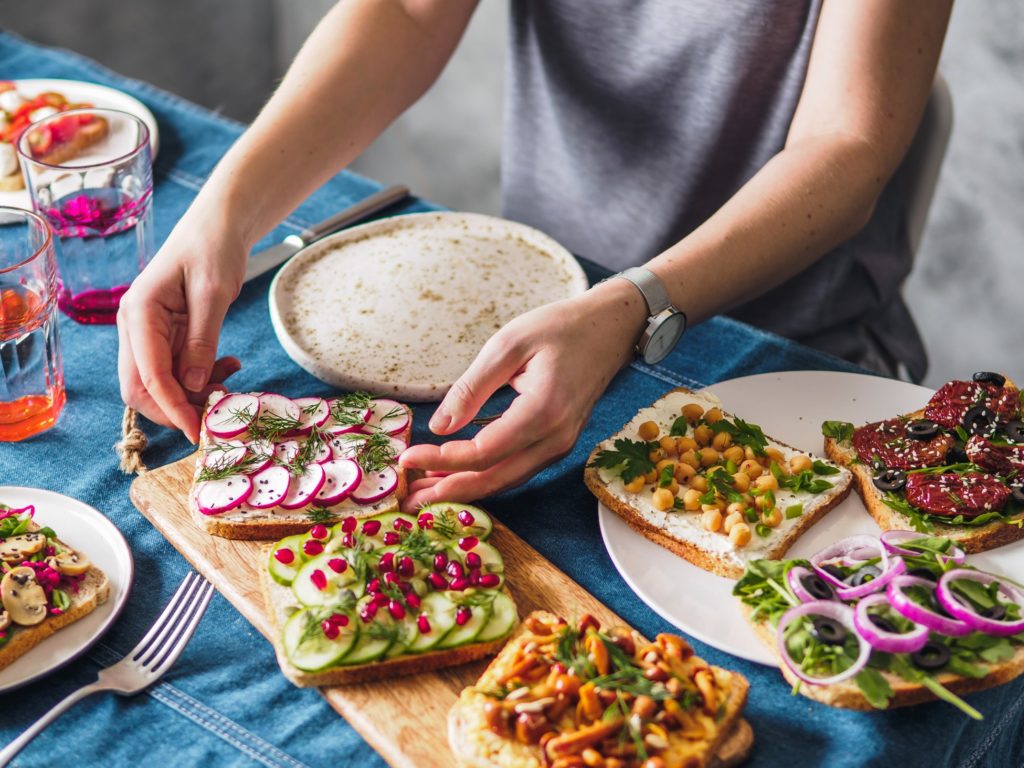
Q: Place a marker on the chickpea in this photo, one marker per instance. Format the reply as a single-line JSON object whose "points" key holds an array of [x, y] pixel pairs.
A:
{"points": [[712, 520], [592, 758], [665, 463], [721, 441], [731, 521], [692, 412], [752, 468], [709, 457], [736, 508], [772, 518], [741, 482], [712, 415], [648, 431], [739, 535], [800, 463], [673, 486], [708, 507], [651, 477], [748, 453], [684, 472], [656, 455], [761, 502], [699, 483], [767, 483], [734, 454], [662, 499], [690, 457], [703, 435], [774, 454], [691, 500], [686, 444], [669, 445], [635, 485]]}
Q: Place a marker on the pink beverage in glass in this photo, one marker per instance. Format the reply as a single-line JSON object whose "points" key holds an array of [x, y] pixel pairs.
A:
{"points": [[31, 369], [90, 175]]}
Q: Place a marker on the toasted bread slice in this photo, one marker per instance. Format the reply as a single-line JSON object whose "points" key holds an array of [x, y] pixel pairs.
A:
{"points": [[87, 135], [12, 183], [476, 746], [683, 532], [278, 600], [971, 539]]}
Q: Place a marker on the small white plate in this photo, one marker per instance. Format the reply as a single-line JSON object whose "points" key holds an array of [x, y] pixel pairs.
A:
{"points": [[85, 529], [401, 306], [90, 93], [790, 407]]}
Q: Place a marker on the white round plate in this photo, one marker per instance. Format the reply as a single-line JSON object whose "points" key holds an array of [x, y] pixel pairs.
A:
{"points": [[83, 528], [790, 407], [91, 93], [400, 306]]}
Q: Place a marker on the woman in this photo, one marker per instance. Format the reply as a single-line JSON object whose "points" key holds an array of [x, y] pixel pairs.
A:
{"points": [[748, 144]]}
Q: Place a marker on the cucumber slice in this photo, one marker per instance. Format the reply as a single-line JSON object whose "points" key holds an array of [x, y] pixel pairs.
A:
{"points": [[503, 619], [316, 651], [369, 647], [285, 574], [468, 632], [440, 612], [490, 558], [309, 594], [481, 527], [387, 523]]}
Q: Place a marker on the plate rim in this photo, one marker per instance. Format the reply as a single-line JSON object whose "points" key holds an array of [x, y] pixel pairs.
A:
{"points": [[118, 606]]}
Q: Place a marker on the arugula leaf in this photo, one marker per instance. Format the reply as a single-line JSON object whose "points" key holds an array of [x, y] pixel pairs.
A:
{"points": [[804, 481], [630, 458], [875, 687], [60, 599], [821, 468], [48, 532], [840, 431]]}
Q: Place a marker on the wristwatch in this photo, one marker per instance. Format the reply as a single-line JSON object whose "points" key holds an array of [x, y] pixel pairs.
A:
{"points": [[665, 324]]}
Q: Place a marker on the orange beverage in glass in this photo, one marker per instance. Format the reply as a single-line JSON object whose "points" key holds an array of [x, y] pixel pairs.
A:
{"points": [[31, 369]]}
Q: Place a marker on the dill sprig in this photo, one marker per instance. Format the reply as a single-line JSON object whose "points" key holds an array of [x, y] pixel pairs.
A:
{"points": [[377, 452], [418, 546], [444, 524], [221, 470], [350, 408], [320, 515]]}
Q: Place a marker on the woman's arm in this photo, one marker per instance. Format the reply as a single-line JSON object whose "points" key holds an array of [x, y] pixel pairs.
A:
{"points": [[361, 67], [870, 72]]}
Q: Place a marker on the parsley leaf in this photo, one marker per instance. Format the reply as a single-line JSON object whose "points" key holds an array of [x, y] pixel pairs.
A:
{"points": [[840, 431], [630, 458], [743, 433]]}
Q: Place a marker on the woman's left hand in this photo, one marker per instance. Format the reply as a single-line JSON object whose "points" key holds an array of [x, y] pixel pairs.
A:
{"points": [[559, 358]]}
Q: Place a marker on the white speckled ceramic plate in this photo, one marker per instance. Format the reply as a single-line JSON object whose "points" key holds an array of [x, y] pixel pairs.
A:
{"points": [[401, 306]]}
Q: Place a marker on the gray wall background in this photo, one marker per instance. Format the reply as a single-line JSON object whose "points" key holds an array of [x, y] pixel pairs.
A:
{"points": [[967, 287]]}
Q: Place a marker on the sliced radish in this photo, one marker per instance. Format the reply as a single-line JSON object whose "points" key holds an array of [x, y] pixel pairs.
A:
{"points": [[323, 454], [269, 487], [287, 451], [313, 412], [342, 476], [262, 451], [280, 406], [356, 416], [230, 416], [389, 416], [375, 486], [345, 429], [304, 487], [225, 454], [214, 497], [398, 445], [347, 447]]}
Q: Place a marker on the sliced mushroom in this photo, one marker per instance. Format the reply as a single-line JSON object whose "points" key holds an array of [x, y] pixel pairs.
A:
{"points": [[17, 549], [5, 620], [69, 563], [23, 597]]}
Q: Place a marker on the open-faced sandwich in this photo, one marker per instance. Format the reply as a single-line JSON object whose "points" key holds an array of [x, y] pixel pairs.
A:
{"points": [[269, 466], [45, 584], [954, 469], [710, 486], [579, 695], [887, 622], [385, 596]]}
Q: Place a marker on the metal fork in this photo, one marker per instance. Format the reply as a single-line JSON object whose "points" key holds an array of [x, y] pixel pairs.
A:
{"points": [[147, 661]]}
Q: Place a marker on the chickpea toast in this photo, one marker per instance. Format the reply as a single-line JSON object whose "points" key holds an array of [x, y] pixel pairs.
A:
{"points": [[709, 486], [561, 695]]}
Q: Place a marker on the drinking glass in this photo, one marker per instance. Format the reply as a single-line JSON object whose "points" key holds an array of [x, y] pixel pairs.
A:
{"points": [[31, 369], [90, 174]]}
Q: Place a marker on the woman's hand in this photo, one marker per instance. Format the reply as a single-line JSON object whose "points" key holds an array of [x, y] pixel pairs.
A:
{"points": [[170, 319], [560, 358]]}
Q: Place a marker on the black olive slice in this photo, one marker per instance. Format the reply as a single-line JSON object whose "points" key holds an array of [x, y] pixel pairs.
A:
{"points": [[1015, 431], [996, 612], [979, 420], [828, 631], [817, 587], [835, 570], [890, 480], [922, 573], [863, 575], [957, 453], [922, 429], [932, 655], [989, 377], [882, 623], [1018, 494]]}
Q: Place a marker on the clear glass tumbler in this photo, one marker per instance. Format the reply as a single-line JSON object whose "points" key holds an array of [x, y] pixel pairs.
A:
{"points": [[31, 369], [90, 174]]}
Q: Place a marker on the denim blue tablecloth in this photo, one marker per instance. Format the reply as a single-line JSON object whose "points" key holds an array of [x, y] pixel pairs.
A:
{"points": [[225, 703]]}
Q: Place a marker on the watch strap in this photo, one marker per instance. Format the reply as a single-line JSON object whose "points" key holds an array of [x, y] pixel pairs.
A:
{"points": [[650, 287]]}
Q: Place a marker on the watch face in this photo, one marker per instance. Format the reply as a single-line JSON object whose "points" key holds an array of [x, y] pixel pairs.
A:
{"points": [[663, 338]]}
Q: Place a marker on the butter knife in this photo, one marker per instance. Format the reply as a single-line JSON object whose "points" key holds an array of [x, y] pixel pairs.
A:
{"points": [[270, 257]]}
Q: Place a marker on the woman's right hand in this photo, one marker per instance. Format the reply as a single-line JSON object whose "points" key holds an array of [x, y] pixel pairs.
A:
{"points": [[170, 319]]}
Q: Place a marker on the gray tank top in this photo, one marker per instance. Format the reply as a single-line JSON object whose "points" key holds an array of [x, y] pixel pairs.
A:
{"points": [[629, 122]]}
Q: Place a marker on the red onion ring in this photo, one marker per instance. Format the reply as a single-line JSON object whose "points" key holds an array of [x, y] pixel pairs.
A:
{"points": [[891, 540], [967, 614], [893, 568], [843, 548], [883, 640], [833, 610], [918, 613], [793, 581]]}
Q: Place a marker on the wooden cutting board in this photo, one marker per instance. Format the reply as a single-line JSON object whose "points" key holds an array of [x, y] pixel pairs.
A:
{"points": [[404, 718]]}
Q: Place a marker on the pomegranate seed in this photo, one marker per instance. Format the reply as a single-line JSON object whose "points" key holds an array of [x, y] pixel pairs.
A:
{"points": [[406, 566], [437, 581], [425, 521], [348, 525], [490, 580], [386, 562], [318, 579], [373, 586], [473, 560], [312, 547], [459, 584], [380, 599], [285, 556], [467, 543], [391, 538], [423, 623], [329, 629], [390, 577], [395, 609], [466, 518], [474, 577], [454, 569], [371, 527], [348, 540], [440, 561], [367, 612], [412, 600], [337, 564], [462, 615], [401, 524], [340, 619], [405, 586], [318, 531]]}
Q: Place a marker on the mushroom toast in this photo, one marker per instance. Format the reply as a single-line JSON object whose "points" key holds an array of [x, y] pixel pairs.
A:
{"points": [[709, 486], [270, 466], [578, 695], [46, 585], [953, 469]]}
